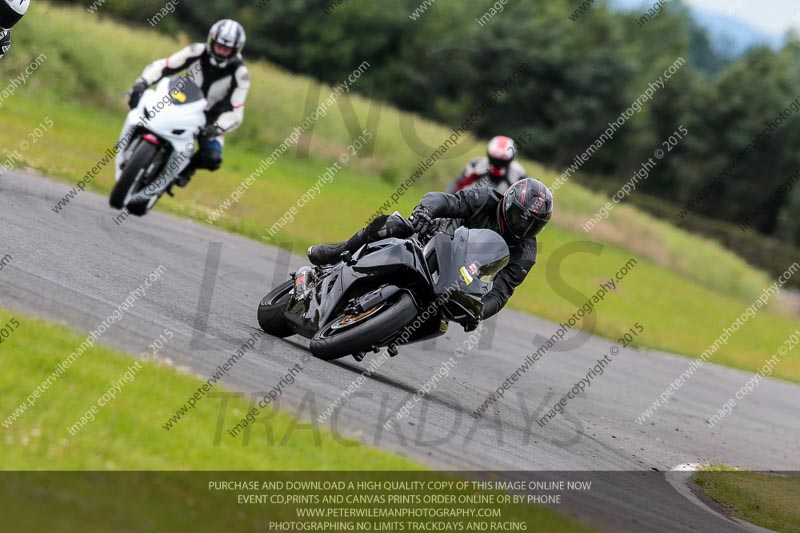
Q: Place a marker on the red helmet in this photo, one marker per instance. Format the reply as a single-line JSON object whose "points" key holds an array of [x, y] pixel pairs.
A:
{"points": [[525, 209], [501, 152]]}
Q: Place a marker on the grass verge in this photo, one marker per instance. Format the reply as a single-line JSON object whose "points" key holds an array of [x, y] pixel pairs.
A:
{"points": [[127, 434], [771, 501]]}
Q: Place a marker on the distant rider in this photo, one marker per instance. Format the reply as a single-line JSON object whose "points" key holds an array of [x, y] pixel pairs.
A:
{"points": [[497, 170], [518, 215], [11, 12], [218, 69]]}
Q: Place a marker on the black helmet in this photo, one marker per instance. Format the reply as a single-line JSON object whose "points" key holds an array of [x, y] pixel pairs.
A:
{"points": [[525, 210], [225, 42], [11, 11]]}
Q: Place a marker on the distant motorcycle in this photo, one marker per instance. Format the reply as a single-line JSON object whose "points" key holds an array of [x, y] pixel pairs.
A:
{"points": [[393, 291], [160, 134]]}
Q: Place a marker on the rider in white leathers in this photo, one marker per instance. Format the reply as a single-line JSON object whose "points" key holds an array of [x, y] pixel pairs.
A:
{"points": [[218, 69]]}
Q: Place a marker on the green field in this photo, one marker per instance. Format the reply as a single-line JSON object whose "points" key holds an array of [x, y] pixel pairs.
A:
{"points": [[127, 435], [684, 290], [767, 500]]}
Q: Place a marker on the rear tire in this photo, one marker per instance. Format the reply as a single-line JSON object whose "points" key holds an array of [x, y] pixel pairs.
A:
{"points": [[138, 163], [271, 316], [330, 344]]}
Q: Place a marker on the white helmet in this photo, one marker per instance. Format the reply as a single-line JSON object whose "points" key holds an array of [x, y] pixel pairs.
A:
{"points": [[11, 11], [229, 35]]}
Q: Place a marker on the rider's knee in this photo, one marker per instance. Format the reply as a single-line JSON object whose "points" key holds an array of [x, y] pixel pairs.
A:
{"points": [[387, 226], [375, 228]]}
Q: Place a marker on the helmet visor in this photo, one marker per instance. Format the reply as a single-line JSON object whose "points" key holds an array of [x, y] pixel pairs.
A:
{"points": [[523, 224], [498, 166], [223, 51], [8, 16]]}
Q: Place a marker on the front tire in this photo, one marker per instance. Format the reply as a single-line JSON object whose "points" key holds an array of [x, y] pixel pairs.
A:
{"points": [[336, 339], [134, 167], [271, 316], [138, 209]]}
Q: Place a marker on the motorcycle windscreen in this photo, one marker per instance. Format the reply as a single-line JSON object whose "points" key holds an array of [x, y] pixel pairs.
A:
{"points": [[477, 256], [487, 253], [184, 91]]}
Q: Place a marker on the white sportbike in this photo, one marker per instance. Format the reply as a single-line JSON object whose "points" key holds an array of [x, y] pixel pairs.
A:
{"points": [[157, 143]]}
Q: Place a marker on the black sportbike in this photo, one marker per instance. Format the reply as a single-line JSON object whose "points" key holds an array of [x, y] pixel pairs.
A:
{"points": [[390, 292]]}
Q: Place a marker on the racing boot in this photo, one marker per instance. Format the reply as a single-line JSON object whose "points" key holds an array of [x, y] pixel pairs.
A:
{"points": [[185, 177], [328, 254], [182, 179], [384, 226]]}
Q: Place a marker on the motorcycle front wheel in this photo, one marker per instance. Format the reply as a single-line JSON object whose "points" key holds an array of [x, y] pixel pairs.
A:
{"points": [[271, 316], [142, 157], [348, 334]]}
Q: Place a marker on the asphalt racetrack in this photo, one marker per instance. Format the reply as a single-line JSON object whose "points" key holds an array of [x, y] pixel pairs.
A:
{"points": [[77, 267]]}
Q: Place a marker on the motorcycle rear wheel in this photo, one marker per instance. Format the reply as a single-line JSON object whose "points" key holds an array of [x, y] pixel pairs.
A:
{"points": [[348, 334]]}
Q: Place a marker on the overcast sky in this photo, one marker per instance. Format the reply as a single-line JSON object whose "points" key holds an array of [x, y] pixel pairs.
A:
{"points": [[772, 16]]}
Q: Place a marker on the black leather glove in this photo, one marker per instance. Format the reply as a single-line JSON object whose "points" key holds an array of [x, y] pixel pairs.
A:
{"points": [[136, 94], [421, 221], [209, 132]]}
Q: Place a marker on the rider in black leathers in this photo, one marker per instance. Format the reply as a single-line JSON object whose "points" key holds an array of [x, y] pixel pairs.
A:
{"points": [[518, 215]]}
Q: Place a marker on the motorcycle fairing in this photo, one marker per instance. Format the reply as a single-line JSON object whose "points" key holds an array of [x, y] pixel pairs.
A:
{"points": [[379, 270]]}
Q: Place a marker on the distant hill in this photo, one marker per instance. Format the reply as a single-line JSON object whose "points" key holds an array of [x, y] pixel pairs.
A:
{"points": [[729, 35]]}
